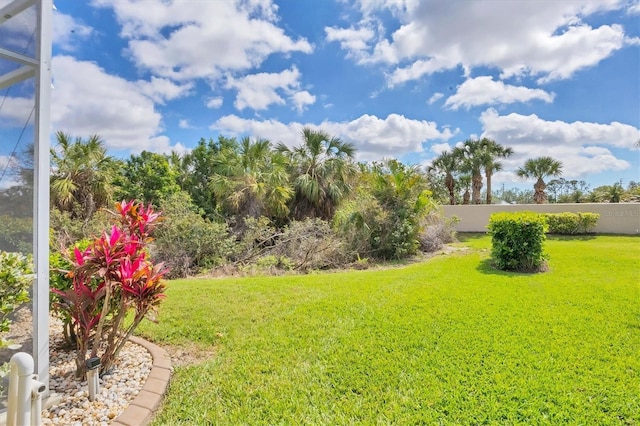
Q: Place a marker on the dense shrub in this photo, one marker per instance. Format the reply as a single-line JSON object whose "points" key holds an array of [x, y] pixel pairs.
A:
{"points": [[66, 231], [436, 231], [188, 243], [60, 278], [16, 234], [304, 245], [517, 240], [256, 236], [311, 244], [571, 223], [15, 280], [357, 222]]}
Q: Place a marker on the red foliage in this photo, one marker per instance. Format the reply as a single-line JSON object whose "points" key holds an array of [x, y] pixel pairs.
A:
{"points": [[112, 276]]}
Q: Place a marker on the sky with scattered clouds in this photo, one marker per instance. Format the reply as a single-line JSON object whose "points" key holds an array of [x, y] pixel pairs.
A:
{"points": [[406, 79]]}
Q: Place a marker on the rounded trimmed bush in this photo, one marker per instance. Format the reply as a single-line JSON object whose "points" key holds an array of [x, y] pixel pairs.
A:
{"points": [[517, 240]]}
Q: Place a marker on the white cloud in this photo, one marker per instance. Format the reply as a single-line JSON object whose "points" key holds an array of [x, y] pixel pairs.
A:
{"points": [[353, 40], [204, 39], [67, 31], [439, 148], [259, 91], [483, 90], [120, 111], [373, 137], [634, 8], [15, 111], [184, 124], [302, 99], [579, 145], [435, 97], [214, 103], [514, 129], [547, 40], [162, 89], [16, 32]]}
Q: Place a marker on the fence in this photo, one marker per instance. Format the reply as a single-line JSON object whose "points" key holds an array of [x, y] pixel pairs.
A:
{"points": [[615, 218]]}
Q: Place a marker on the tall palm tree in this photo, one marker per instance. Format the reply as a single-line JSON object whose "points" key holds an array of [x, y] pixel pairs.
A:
{"points": [[447, 163], [322, 171], [472, 154], [492, 153], [81, 176], [251, 179], [539, 168]]}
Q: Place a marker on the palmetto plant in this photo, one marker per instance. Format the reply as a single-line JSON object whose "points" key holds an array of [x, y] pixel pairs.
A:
{"points": [[539, 168], [322, 170], [81, 175], [251, 180]]}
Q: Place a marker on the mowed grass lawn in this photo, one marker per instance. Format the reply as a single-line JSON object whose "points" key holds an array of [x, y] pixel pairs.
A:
{"points": [[445, 341]]}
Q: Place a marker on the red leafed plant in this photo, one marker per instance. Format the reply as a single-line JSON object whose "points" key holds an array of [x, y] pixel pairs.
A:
{"points": [[112, 278]]}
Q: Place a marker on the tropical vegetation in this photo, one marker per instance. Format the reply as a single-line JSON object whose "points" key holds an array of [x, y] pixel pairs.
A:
{"points": [[111, 279]]}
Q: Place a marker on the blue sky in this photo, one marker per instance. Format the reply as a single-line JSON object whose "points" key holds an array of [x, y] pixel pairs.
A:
{"points": [[397, 78]]}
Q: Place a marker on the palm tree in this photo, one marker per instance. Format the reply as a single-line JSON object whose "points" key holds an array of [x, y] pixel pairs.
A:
{"points": [[322, 170], [465, 183], [492, 152], [251, 179], [447, 163], [472, 154], [81, 176], [615, 192], [539, 168]]}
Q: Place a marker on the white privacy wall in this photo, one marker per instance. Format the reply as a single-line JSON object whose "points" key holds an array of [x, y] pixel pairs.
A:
{"points": [[615, 218]]}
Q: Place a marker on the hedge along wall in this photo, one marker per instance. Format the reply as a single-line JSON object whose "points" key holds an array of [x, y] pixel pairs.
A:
{"points": [[615, 218]]}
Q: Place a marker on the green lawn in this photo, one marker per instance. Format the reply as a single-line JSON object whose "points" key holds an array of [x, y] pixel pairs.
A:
{"points": [[445, 341]]}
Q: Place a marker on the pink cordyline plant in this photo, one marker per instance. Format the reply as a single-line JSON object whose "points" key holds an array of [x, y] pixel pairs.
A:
{"points": [[111, 278]]}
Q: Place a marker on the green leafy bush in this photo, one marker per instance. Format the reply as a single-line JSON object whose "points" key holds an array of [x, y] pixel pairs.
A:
{"points": [[188, 243], [15, 279], [517, 240], [60, 278], [16, 234], [571, 223]]}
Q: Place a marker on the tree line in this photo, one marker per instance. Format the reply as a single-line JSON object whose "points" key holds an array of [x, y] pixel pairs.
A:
{"points": [[247, 200]]}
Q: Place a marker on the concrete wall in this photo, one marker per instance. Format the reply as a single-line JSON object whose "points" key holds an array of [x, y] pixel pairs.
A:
{"points": [[615, 218]]}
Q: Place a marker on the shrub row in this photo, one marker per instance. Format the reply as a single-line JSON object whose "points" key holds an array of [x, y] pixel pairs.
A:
{"points": [[571, 223]]}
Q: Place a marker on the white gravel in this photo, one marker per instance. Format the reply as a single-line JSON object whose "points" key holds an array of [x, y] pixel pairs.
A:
{"points": [[69, 403], [117, 390]]}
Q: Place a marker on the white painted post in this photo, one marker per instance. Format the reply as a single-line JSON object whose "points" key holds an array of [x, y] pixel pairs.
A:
{"points": [[41, 191], [19, 410]]}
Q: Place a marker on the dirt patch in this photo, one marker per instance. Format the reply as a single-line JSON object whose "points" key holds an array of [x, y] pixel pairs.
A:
{"points": [[189, 354]]}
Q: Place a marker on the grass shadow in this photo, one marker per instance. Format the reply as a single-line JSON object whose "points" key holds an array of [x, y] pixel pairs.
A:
{"points": [[464, 237], [560, 237], [486, 267]]}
